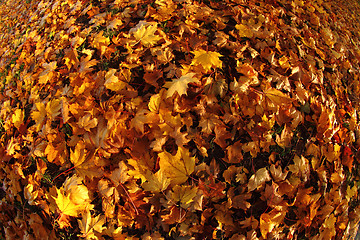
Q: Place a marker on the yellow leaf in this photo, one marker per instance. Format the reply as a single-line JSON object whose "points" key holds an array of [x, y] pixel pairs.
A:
{"points": [[327, 229], [100, 42], [139, 120], [48, 73], [154, 103], [78, 193], [71, 57], [84, 161], [53, 108], [277, 97], [156, 182], [112, 82], [268, 221], [114, 24], [86, 64], [328, 37], [244, 31], [258, 179], [184, 195], [77, 157], [207, 59], [284, 62], [301, 167], [145, 33], [18, 117], [87, 122], [65, 205], [180, 85], [13, 145], [120, 175], [351, 192], [179, 167], [88, 225]]}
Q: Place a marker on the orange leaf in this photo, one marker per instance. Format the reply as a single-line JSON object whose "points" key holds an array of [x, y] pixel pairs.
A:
{"points": [[347, 159]]}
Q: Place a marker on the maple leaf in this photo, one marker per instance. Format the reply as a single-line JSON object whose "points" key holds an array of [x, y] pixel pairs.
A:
{"points": [[157, 182], [327, 229], [277, 97], [177, 168], [258, 179], [301, 167], [84, 161], [78, 192], [87, 122], [18, 117], [284, 140], [184, 195], [140, 119], [114, 24], [88, 225], [112, 82], [50, 110], [86, 64], [65, 205], [145, 33], [48, 73], [180, 85], [100, 42], [240, 201], [244, 31], [71, 58], [268, 221], [120, 175], [53, 108], [154, 103], [207, 59]]}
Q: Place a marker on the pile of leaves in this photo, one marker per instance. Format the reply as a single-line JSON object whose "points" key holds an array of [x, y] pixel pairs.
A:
{"points": [[179, 119]]}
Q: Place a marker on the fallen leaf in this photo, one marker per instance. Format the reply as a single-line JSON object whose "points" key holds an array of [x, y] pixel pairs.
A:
{"points": [[145, 33], [207, 59], [180, 85], [258, 179], [177, 168]]}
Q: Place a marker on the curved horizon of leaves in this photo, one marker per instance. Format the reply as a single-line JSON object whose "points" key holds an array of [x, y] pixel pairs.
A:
{"points": [[179, 119]]}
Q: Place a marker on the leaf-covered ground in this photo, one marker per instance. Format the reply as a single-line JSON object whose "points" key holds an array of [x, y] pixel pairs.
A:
{"points": [[179, 119]]}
